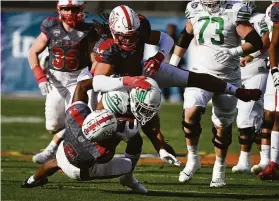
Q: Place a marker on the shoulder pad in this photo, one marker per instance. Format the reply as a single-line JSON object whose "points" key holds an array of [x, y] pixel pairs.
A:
{"points": [[103, 50], [242, 12], [50, 22], [192, 8]]}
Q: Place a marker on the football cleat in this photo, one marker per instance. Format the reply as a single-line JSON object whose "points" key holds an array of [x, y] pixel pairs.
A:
{"points": [[42, 157], [218, 176], [256, 169], [190, 169], [41, 182], [241, 169], [132, 183], [271, 172], [248, 94]]}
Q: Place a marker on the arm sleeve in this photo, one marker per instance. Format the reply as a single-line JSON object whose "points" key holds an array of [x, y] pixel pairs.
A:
{"points": [[145, 29], [275, 13], [102, 83]]}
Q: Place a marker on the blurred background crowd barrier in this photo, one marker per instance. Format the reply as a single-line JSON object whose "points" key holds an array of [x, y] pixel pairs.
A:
{"points": [[20, 21]]}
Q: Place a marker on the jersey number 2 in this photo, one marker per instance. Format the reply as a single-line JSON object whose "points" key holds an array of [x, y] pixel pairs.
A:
{"points": [[218, 31]]}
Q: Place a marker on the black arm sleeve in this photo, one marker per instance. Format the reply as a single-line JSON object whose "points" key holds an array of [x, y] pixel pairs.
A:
{"points": [[184, 39], [254, 39]]}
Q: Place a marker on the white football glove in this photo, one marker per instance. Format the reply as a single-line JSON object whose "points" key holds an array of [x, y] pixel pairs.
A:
{"points": [[169, 158], [224, 55], [275, 76], [45, 88], [128, 132]]}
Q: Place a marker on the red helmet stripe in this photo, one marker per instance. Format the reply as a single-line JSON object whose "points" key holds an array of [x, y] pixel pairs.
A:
{"points": [[104, 119], [127, 16]]}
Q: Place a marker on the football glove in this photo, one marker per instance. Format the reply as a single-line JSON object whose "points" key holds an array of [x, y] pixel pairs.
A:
{"points": [[169, 158]]}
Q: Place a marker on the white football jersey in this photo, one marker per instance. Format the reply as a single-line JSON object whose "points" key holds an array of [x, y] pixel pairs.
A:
{"points": [[268, 20], [213, 32], [258, 65]]}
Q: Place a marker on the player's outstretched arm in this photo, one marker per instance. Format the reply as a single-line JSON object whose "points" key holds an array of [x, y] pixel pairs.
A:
{"points": [[213, 84], [182, 44]]}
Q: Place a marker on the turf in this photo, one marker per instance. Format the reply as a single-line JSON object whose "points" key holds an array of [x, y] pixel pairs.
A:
{"points": [[160, 180]]}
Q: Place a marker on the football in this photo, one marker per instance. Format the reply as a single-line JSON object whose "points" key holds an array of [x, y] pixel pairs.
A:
{"points": [[121, 121]]}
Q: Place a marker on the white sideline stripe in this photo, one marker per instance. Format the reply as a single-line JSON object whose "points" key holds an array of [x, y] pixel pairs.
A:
{"points": [[5, 119], [142, 155]]}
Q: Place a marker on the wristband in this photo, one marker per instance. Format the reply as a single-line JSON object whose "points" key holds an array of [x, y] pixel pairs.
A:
{"points": [[174, 60], [39, 74]]}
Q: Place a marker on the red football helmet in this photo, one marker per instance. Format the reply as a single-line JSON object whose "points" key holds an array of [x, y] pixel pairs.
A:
{"points": [[124, 23], [75, 16]]}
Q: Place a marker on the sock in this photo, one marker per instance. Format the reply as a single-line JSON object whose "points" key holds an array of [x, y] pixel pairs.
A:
{"points": [[265, 154], [230, 89], [51, 147], [193, 152], [31, 180], [274, 153], [220, 161], [244, 158], [134, 159]]}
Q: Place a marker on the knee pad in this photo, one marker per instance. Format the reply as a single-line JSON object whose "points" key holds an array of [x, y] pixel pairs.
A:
{"points": [[134, 145], [195, 127], [248, 133], [224, 141]]}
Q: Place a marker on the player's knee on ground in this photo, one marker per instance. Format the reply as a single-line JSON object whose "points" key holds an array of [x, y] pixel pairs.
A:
{"points": [[114, 168], [134, 145], [191, 123], [224, 141], [246, 136]]}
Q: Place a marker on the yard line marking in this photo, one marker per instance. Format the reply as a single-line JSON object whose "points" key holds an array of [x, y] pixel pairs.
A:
{"points": [[21, 119]]}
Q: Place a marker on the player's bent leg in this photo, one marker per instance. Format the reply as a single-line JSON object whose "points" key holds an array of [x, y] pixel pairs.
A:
{"points": [[40, 177], [55, 123], [222, 138], [133, 152], [271, 172], [265, 134], [192, 129]]}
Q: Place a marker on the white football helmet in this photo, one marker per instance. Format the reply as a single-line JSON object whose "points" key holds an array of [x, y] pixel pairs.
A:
{"points": [[145, 103], [99, 125], [212, 6], [76, 16], [124, 23], [116, 101]]}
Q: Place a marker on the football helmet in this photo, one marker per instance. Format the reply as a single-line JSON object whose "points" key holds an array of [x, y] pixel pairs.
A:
{"points": [[145, 103], [76, 16], [116, 101], [99, 125], [124, 23], [212, 6]]}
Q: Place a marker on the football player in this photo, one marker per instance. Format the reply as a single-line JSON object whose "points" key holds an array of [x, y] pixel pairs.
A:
{"points": [[253, 75], [271, 172], [87, 151], [217, 29], [70, 42]]}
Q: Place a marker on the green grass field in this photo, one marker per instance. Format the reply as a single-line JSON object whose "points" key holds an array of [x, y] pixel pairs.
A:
{"points": [[160, 180]]}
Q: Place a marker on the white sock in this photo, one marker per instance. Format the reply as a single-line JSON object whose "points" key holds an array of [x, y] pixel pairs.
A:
{"points": [[193, 153], [31, 180], [51, 147], [265, 154], [244, 158], [230, 89], [220, 161], [274, 154]]}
